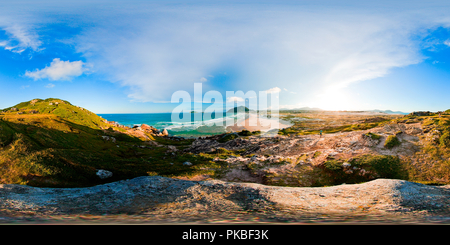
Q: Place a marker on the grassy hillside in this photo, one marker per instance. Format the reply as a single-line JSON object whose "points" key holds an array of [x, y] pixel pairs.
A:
{"points": [[60, 108], [431, 165], [56, 144]]}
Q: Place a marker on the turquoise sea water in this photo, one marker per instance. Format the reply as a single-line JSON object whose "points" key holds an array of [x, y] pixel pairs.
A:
{"points": [[192, 128]]}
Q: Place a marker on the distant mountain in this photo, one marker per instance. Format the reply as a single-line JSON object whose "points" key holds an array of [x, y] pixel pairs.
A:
{"points": [[302, 109], [389, 112], [318, 109]]}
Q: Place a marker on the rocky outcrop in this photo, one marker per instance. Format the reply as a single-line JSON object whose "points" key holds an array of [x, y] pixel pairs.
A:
{"points": [[104, 174], [148, 128], [155, 195], [165, 132], [420, 113], [152, 130]]}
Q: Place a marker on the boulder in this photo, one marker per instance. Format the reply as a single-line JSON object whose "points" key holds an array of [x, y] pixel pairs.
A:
{"points": [[109, 138], [165, 133], [147, 127], [150, 129], [104, 174]]}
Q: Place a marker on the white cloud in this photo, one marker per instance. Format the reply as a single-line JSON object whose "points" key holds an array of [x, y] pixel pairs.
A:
{"points": [[273, 90], [289, 91], [169, 48], [50, 85], [18, 51], [447, 42], [203, 79], [235, 99], [165, 48], [20, 39], [59, 70]]}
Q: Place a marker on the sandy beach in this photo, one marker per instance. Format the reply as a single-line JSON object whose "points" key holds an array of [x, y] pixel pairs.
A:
{"points": [[256, 123]]}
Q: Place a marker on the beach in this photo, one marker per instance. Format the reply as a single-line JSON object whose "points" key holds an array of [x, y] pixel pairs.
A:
{"points": [[256, 123], [238, 122]]}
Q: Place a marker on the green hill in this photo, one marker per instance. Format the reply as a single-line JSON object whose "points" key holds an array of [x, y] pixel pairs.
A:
{"points": [[60, 108], [56, 144]]}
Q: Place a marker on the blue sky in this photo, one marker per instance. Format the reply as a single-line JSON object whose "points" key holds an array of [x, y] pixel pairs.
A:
{"points": [[131, 56]]}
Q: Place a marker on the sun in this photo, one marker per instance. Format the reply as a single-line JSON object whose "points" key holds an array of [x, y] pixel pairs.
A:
{"points": [[334, 101]]}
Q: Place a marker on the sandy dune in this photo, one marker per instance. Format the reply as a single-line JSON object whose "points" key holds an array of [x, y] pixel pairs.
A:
{"points": [[256, 123]]}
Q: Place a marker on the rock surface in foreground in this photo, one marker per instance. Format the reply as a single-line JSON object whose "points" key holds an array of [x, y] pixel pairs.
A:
{"points": [[156, 195]]}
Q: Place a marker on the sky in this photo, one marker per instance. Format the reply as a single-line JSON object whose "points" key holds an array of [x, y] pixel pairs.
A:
{"points": [[132, 56]]}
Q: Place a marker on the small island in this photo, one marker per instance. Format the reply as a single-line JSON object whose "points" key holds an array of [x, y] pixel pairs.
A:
{"points": [[238, 109]]}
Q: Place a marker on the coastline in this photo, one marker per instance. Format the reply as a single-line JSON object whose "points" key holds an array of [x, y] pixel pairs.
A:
{"points": [[251, 122]]}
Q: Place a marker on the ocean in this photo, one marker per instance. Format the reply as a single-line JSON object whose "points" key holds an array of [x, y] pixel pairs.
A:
{"points": [[192, 128]]}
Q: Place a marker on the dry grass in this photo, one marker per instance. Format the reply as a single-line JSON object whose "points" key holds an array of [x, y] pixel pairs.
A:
{"points": [[306, 123]]}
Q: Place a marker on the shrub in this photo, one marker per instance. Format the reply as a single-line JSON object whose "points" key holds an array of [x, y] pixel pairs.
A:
{"points": [[383, 166], [429, 121], [444, 140], [391, 141], [245, 133], [364, 168], [316, 154], [258, 132], [222, 151], [228, 137], [333, 165], [287, 131], [374, 136]]}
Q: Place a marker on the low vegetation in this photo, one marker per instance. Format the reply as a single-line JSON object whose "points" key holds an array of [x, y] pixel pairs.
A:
{"points": [[306, 122], [391, 141], [374, 136], [444, 140], [228, 137], [431, 165], [361, 169]]}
